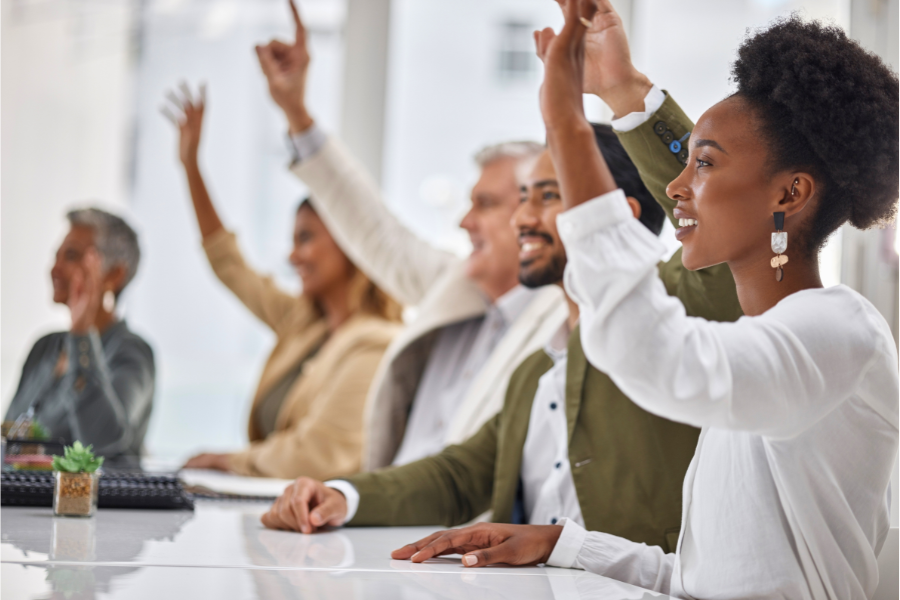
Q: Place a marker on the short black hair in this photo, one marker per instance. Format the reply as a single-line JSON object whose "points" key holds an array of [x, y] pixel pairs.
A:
{"points": [[627, 177], [829, 107]]}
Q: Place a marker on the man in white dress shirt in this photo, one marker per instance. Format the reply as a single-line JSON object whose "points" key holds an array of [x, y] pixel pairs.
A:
{"points": [[447, 371]]}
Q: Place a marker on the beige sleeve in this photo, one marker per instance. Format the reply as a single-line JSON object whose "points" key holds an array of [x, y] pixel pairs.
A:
{"points": [[327, 443], [259, 293]]}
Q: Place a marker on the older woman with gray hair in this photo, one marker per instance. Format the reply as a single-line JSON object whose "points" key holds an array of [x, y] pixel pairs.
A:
{"points": [[95, 382]]}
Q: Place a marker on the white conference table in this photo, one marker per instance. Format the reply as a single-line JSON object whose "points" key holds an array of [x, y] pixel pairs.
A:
{"points": [[222, 551]]}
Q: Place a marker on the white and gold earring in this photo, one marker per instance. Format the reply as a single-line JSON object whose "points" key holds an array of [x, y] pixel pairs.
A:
{"points": [[109, 301]]}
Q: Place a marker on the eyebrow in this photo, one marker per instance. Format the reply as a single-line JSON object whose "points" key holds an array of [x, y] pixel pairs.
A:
{"points": [[545, 183], [713, 143]]}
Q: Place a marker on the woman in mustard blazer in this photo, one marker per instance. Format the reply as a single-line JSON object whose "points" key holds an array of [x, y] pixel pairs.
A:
{"points": [[307, 413]]}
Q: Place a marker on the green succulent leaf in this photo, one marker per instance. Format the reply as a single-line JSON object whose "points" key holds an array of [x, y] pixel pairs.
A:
{"points": [[77, 458]]}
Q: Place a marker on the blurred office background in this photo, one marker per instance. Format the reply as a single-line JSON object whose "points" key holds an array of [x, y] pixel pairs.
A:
{"points": [[414, 86]]}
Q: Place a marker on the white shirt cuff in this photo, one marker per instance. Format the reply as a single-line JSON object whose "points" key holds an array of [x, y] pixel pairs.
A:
{"points": [[306, 144], [603, 211], [652, 101], [350, 493], [568, 545]]}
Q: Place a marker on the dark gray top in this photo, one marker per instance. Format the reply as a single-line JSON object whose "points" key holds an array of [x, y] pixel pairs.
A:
{"points": [[103, 398]]}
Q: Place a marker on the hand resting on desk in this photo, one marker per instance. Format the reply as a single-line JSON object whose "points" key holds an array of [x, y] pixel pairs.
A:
{"points": [[307, 506], [487, 544]]}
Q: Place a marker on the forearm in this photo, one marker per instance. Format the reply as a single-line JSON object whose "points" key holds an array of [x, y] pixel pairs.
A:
{"points": [[207, 217], [449, 488], [582, 172], [611, 556]]}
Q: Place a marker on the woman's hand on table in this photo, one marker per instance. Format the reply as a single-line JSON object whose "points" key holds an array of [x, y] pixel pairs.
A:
{"points": [[487, 544], [209, 460], [307, 506]]}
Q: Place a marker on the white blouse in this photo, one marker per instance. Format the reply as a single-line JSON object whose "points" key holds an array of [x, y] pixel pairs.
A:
{"points": [[788, 492]]}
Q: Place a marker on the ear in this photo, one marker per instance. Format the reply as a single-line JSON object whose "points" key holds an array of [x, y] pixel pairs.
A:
{"points": [[635, 207], [798, 190], [114, 279]]}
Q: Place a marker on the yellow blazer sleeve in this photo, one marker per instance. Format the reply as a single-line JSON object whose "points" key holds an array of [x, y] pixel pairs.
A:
{"points": [[327, 442], [259, 293]]}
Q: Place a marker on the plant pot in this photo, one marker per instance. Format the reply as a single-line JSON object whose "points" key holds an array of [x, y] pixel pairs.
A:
{"points": [[75, 494]]}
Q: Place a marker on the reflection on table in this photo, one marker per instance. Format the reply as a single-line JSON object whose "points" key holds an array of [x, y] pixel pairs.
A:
{"points": [[221, 550]]}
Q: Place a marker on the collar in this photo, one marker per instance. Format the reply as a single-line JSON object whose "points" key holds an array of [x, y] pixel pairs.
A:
{"points": [[557, 348], [513, 303]]}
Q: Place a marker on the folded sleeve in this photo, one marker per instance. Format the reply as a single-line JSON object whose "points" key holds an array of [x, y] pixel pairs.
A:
{"points": [[775, 374], [614, 557], [258, 293]]}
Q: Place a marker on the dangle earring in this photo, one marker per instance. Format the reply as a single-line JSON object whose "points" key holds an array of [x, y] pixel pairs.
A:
{"points": [[780, 241]]}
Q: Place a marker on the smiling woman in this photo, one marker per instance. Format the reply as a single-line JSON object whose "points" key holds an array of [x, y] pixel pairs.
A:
{"points": [[95, 382], [307, 413]]}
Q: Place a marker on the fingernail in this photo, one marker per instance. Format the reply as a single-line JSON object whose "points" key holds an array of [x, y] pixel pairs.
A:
{"points": [[470, 560], [315, 518], [413, 557]]}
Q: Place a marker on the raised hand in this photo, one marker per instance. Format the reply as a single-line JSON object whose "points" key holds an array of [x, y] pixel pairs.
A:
{"points": [[608, 70], [487, 544], [285, 67], [86, 292], [307, 506], [186, 112], [582, 172], [563, 58]]}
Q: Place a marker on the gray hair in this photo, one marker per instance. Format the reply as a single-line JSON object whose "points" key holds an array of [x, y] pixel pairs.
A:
{"points": [[525, 153], [115, 240]]}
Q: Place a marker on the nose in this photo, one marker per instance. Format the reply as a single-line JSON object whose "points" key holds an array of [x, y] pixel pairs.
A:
{"points": [[468, 222], [525, 217], [679, 188]]}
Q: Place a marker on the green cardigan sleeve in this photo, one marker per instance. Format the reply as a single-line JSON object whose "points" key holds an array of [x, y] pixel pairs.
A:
{"points": [[449, 488], [709, 293]]}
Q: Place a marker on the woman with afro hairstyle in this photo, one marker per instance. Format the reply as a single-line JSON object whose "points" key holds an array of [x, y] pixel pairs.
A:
{"points": [[788, 492]]}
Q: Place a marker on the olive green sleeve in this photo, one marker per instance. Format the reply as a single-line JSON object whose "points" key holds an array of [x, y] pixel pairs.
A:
{"points": [[709, 293], [449, 488], [655, 161]]}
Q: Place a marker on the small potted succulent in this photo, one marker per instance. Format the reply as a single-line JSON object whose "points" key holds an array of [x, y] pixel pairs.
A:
{"points": [[76, 481]]}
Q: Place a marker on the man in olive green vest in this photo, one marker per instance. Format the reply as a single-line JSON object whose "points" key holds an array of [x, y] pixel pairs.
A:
{"points": [[568, 442]]}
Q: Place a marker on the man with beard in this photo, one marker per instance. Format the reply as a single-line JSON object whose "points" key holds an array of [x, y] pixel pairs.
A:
{"points": [[568, 442]]}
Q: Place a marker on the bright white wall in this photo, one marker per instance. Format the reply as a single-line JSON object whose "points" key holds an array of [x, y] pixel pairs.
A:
{"points": [[65, 135]]}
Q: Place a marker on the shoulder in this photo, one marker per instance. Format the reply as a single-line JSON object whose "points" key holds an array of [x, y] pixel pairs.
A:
{"points": [[44, 344], [127, 341]]}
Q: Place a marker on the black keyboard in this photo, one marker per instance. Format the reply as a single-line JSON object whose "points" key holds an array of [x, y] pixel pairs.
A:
{"points": [[117, 490]]}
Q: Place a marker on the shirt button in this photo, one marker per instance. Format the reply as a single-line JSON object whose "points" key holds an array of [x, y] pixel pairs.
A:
{"points": [[553, 521], [84, 361], [83, 345], [558, 465], [660, 127], [553, 406]]}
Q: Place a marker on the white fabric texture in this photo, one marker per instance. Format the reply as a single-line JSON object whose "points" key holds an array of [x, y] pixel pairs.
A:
{"points": [[417, 274], [788, 492], [455, 361], [349, 492], [652, 101], [548, 489]]}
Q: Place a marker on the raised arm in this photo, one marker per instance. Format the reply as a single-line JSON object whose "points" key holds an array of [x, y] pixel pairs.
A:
{"points": [[345, 196], [257, 292]]}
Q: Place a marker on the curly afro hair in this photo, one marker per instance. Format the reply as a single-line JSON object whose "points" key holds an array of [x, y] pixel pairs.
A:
{"points": [[828, 107]]}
